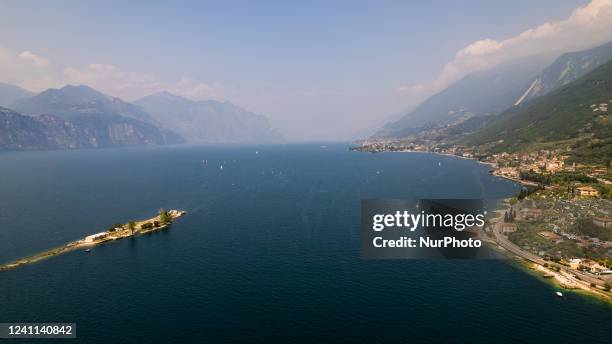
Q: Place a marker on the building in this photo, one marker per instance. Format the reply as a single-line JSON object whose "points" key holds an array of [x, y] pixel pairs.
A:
{"points": [[587, 191], [508, 227], [553, 166], [530, 213], [94, 237], [604, 222]]}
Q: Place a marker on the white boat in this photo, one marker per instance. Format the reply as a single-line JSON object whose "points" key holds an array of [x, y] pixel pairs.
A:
{"points": [[559, 294]]}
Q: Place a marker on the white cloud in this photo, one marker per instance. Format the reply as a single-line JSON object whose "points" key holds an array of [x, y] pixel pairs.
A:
{"points": [[586, 27], [194, 89], [129, 85], [16, 68], [29, 56]]}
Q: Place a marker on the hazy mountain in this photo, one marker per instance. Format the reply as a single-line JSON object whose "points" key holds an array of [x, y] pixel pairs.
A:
{"points": [[92, 131], [10, 94], [208, 121], [579, 111], [565, 69], [479, 94], [74, 101]]}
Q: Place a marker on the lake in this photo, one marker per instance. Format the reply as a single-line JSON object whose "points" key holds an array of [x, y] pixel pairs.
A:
{"points": [[268, 252]]}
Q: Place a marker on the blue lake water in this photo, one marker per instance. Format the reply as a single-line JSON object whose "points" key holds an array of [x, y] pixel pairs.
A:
{"points": [[269, 251]]}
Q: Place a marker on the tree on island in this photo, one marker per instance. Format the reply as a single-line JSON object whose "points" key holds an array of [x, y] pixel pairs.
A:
{"points": [[164, 217], [132, 226]]}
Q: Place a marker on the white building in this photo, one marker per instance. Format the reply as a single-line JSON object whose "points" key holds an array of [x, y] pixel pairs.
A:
{"points": [[93, 237]]}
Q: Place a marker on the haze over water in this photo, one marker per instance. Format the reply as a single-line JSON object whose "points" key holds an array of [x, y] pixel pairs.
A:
{"points": [[269, 251]]}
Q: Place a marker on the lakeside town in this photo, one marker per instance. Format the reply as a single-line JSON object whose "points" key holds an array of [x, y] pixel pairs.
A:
{"points": [[561, 221]]}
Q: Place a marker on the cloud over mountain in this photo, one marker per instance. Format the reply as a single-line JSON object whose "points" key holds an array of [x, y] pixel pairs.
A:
{"points": [[16, 68], [33, 58], [586, 27]]}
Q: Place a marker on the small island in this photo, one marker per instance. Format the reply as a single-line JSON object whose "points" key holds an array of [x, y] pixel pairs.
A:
{"points": [[118, 231]]}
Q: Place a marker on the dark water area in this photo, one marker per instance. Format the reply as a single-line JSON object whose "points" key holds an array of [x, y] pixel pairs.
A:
{"points": [[269, 251]]}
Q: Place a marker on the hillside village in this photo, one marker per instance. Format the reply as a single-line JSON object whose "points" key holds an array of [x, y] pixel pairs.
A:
{"points": [[563, 214]]}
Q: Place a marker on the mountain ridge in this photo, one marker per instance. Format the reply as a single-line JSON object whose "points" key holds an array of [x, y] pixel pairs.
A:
{"points": [[11, 94], [565, 69], [208, 120], [21, 132], [481, 93]]}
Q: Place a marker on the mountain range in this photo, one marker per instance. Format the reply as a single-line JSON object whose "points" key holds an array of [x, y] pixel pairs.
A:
{"points": [[207, 121], [565, 69], [474, 101], [11, 94], [81, 117], [96, 130], [566, 103], [479, 94], [577, 114]]}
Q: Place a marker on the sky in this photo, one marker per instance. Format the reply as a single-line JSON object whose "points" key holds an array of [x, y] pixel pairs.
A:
{"points": [[319, 70]]}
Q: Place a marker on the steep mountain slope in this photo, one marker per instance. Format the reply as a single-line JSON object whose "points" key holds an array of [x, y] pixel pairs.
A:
{"points": [[208, 121], [484, 93], [578, 111], [565, 69], [73, 101], [10, 94], [93, 131]]}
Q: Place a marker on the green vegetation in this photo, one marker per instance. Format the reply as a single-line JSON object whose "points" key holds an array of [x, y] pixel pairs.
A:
{"points": [[164, 218], [132, 226], [556, 178], [147, 225], [607, 262], [585, 226], [527, 236], [526, 191], [605, 191], [569, 113], [593, 151]]}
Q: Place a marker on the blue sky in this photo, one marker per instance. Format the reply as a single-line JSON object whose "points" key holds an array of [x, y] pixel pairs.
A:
{"points": [[317, 69]]}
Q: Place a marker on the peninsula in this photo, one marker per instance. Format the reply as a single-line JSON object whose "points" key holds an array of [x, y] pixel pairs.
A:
{"points": [[118, 231]]}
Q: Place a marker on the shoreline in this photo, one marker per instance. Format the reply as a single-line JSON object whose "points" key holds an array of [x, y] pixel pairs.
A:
{"points": [[565, 277], [562, 278], [488, 164], [126, 230]]}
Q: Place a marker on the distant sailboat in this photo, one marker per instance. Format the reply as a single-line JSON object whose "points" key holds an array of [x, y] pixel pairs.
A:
{"points": [[220, 167]]}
